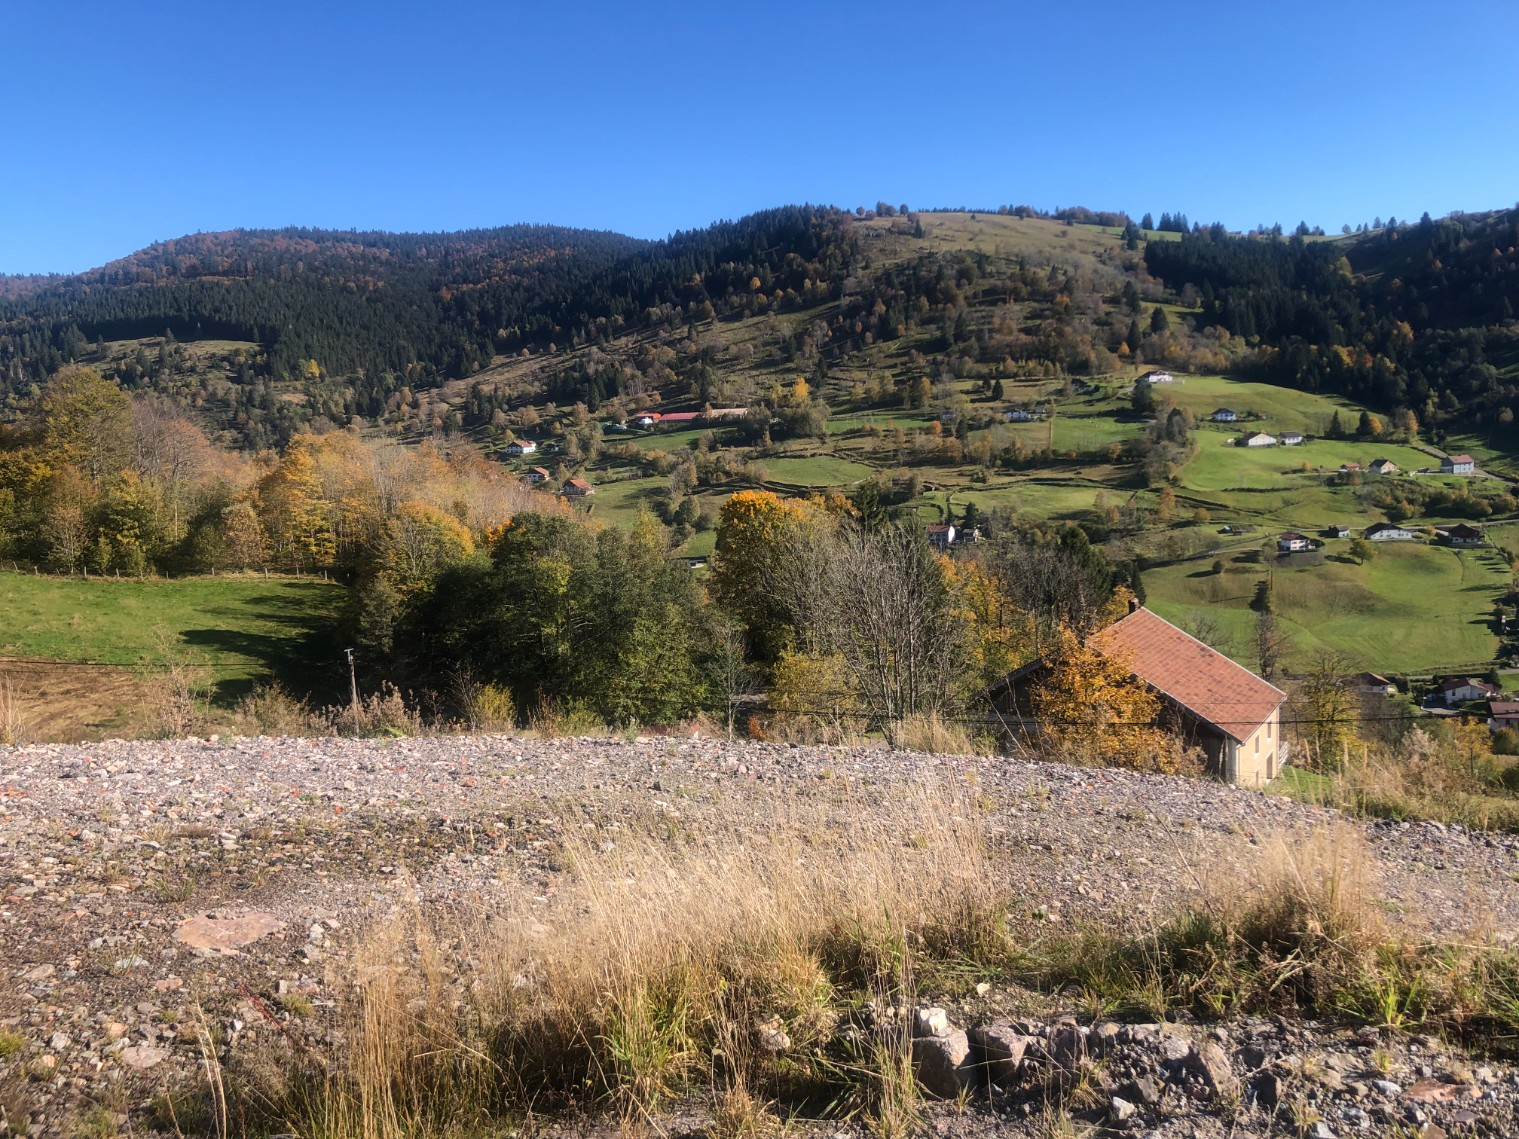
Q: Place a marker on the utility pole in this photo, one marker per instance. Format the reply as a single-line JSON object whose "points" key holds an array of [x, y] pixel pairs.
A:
{"points": [[353, 686]]}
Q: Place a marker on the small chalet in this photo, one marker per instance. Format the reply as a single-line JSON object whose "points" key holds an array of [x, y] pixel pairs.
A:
{"points": [[1292, 439], [1372, 684], [1157, 378], [1337, 530], [521, 447], [537, 475], [646, 419], [1223, 415], [1292, 542], [942, 535], [1503, 714], [1461, 535], [1018, 415], [1383, 467], [1258, 439], [1458, 690], [1458, 465], [1388, 532], [578, 488], [1350, 468], [1226, 710]]}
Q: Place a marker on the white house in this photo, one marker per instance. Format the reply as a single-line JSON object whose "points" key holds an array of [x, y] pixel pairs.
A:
{"points": [[1157, 378], [1258, 439], [1223, 415], [1464, 689], [1388, 532], [1291, 438], [1018, 415], [1458, 465], [942, 535], [1292, 542], [1383, 467], [521, 447]]}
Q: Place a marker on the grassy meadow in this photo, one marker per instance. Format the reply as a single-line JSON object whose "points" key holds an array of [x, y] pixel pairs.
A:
{"points": [[240, 629], [1412, 607]]}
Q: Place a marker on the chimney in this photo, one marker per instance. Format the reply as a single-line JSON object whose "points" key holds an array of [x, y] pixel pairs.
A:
{"points": [[1133, 605]]}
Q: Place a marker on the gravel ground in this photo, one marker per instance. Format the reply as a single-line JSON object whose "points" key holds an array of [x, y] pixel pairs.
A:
{"points": [[106, 850]]}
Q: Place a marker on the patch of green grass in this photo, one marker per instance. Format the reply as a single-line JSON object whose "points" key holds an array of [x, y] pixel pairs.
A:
{"points": [[1412, 608], [817, 470], [11, 1044], [243, 628]]}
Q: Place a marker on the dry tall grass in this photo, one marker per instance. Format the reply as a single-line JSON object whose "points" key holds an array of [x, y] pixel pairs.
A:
{"points": [[15, 724], [716, 963]]}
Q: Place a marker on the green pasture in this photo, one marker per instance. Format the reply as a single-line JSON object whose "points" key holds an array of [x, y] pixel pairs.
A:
{"points": [[241, 628], [1413, 608]]}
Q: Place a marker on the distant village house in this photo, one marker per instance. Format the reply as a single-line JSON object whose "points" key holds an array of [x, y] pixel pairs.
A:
{"points": [[1388, 532], [1292, 438], [1373, 684], [521, 447], [1503, 714], [1292, 542], [942, 535], [1458, 465], [537, 475], [1337, 530], [1463, 690], [1258, 439], [1223, 415], [578, 488], [1461, 535], [1383, 467], [1157, 378]]}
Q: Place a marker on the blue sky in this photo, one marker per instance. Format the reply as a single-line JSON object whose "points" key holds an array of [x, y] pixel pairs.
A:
{"points": [[130, 122]]}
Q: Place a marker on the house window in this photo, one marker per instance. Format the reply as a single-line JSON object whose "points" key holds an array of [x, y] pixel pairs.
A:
{"points": [[1257, 743], [1268, 729]]}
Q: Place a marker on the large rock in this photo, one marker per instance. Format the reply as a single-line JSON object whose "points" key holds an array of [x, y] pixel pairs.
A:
{"points": [[226, 933], [144, 1056], [1000, 1050], [942, 1063], [1210, 1065]]}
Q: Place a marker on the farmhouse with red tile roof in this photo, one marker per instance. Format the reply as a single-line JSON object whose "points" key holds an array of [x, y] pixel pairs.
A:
{"points": [[1225, 709]]}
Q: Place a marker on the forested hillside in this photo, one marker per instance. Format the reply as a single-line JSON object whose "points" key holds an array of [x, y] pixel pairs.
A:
{"points": [[1416, 316], [390, 311]]}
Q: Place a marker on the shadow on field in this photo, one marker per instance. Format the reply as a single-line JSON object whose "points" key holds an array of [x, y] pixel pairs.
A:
{"points": [[303, 655]]}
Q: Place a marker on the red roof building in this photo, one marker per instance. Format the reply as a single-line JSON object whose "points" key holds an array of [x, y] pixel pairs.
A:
{"points": [[1225, 709]]}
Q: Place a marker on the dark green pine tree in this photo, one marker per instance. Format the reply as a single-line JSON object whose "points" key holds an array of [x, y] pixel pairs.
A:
{"points": [[1336, 427], [1159, 321]]}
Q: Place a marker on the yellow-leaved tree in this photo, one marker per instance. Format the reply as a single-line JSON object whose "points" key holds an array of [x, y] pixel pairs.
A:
{"points": [[1091, 708]]}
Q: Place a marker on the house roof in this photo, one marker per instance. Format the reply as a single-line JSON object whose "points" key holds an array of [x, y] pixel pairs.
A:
{"points": [[1383, 463], [1292, 434], [681, 417], [1224, 411], [1204, 682], [1371, 680], [1450, 684], [940, 527], [1459, 459], [579, 484], [1292, 536], [1383, 527], [540, 471], [1504, 707], [1461, 530]]}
